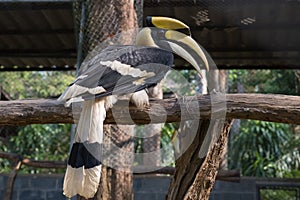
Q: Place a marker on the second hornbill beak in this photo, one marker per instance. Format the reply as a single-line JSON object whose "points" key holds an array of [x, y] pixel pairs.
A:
{"points": [[179, 43]]}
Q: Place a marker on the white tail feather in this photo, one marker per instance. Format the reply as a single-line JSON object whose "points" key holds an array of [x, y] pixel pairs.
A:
{"points": [[90, 125], [91, 182], [73, 181], [72, 93], [84, 181]]}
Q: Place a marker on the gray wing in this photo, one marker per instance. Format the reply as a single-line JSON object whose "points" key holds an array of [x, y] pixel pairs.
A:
{"points": [[119, 70]]}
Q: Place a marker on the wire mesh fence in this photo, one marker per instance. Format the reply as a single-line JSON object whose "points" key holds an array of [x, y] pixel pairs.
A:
{"points": [[98, 23], [216, 24]]}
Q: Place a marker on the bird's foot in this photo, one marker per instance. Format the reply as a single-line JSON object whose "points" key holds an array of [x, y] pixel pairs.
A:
{"points": [[140, 99]]}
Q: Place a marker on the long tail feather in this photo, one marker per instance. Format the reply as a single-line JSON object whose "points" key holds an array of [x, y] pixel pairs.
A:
{"points": [[84, 165]]}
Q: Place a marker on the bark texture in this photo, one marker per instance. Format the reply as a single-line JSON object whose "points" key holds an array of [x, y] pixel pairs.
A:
{"points": [[206, 175], [195, 175], [151, 140], [116, 179], [266, 107], [105, 23]]}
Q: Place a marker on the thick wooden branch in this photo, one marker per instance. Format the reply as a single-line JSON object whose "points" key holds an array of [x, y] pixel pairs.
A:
{"points": [[224, 175], [11, 179], [206, 174], [17, 162], [33, 163], [267, 107]]}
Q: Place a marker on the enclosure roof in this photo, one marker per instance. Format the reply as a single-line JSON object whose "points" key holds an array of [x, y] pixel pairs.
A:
{"points": [[36, 35], [236, 33]]}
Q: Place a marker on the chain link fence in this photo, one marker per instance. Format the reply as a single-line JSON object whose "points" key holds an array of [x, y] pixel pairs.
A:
{"points": [[98, 23]]}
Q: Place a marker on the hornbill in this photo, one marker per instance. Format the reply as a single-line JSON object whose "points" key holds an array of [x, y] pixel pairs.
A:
{"points": [[120, 71]]}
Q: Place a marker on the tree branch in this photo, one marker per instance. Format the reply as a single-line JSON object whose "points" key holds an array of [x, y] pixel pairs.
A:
{"points": [[17, 161], [33, 163], [267, 107]]}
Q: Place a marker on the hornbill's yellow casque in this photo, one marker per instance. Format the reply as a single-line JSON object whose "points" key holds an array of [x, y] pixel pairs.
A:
{"points": [[117, 71]]}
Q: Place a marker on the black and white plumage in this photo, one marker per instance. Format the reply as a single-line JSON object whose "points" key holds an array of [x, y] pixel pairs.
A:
{"points": [[119, 70], [110, 76], [114, 72]]}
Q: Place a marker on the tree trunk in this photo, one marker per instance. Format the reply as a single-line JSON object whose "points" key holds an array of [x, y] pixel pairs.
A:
{"points": [[109, 22], [151, 142], [195, 175], [117, 181], [205, 178], [222, 88], [197, 167]]}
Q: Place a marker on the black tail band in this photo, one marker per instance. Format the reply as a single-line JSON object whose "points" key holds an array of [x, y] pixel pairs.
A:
{"points": [[85, 154]]}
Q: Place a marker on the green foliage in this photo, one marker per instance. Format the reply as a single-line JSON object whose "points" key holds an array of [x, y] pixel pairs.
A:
{"points": [[278, 194], [261, 149], [167, 134], [38, 142], [20, 85], [44, 139], [183, 82], [265, 81], [166, 146], [264, 149]]}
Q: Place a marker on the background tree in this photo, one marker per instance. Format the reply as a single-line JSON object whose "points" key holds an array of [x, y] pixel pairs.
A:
{"points": [[104, 23], [45, 84], [39, 142], [283, 158], [265, 149]]}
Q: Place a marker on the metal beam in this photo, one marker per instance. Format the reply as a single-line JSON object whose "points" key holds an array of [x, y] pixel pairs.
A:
{"points": [[37, 32], [39, 53], [35, 1], [35, 5], [291, 26], [37, 68], [211, 3]]}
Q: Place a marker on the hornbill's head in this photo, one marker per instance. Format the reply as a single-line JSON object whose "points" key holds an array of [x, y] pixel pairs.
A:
{"points": [[173, 35]]}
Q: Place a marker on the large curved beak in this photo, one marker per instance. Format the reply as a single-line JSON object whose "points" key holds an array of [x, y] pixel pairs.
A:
{"points": [[190, 50], [181, 44], [167, 23]]}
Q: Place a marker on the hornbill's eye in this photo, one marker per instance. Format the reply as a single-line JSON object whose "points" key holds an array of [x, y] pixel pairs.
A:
{"points": [[159, 34]]}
